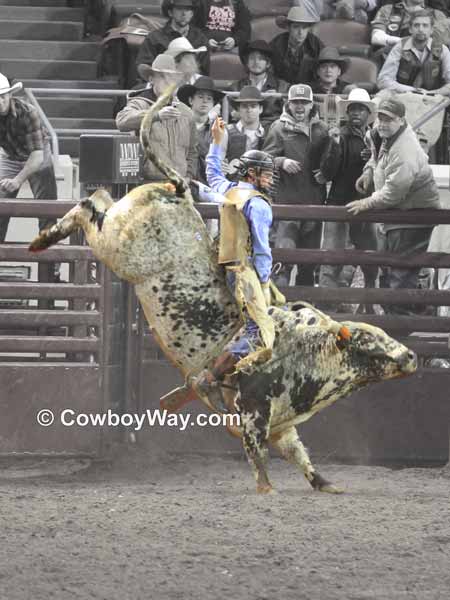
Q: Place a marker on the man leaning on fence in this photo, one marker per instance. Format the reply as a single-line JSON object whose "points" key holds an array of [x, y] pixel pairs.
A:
{"points": [[403, 180], [343, 167], [25, 153]]}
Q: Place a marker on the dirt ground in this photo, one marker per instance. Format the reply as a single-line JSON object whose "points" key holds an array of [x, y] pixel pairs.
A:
{"points": [[182, 527]]}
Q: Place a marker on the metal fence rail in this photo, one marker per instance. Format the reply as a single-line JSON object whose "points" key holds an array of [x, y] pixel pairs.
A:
{"points": [[77, 255]]}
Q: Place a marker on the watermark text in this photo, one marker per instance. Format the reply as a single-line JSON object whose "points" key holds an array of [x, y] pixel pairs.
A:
{"points": [[135, 421]]}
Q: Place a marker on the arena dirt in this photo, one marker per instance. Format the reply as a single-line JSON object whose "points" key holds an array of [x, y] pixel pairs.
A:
{"points": [[192, 527]]}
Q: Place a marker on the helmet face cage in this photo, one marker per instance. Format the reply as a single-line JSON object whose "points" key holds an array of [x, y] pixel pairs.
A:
{"points": [[256, 159]]}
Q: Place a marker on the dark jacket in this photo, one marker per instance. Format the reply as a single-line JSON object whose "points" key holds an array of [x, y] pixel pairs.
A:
{"points": [[204, 140], [241, 32], [157, 42], [272, 107], [317, 88], [237, 141], [342, 165], [307, 145], [300, 70], [430, 70]]}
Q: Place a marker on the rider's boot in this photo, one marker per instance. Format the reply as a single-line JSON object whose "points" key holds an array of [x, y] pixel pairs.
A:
{"points": [[210, 382]]}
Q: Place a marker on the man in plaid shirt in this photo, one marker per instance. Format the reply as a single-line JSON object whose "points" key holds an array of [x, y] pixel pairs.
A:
{"points": [[25, 152]]}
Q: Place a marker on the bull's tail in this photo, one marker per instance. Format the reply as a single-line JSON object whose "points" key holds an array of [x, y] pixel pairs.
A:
{"points": [[174, 177], [61, 230]]}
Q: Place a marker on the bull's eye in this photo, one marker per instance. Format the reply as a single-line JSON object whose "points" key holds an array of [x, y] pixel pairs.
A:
{"points": [[86, 203]]}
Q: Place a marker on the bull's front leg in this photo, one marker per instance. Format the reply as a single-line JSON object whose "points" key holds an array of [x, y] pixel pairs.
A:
{"points": [[255, 426], [291, 448]]}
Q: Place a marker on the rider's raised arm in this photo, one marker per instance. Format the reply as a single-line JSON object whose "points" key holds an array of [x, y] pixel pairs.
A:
{"points": [[214, 175]]}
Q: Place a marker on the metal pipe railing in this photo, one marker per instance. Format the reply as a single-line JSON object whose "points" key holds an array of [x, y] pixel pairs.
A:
{"points": [[77, 92], [431, 113], [76, 132], [54, 138]]}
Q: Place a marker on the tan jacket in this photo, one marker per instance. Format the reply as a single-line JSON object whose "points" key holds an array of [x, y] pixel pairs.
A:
{"points": [[403, 178], [175, 140]]}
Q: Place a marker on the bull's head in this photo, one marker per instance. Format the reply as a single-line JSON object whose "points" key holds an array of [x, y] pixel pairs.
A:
{"points": [[87, 213], [376, 356]]}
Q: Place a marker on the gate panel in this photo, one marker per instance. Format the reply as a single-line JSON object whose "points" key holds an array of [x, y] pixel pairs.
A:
{"points": [[27, 389], [63, 348]]}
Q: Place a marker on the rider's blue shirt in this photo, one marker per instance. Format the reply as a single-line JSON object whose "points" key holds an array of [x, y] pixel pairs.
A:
{"points": [[257, 211]]}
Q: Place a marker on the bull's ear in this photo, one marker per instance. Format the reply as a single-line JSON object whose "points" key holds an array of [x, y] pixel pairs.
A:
{"points": [[101, 199]]}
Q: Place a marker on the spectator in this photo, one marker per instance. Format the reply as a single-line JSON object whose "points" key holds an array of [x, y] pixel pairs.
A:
{"points": [[330, 65], [186, 58], [173, 132], [344, 168], [257, 59], [392, 22], [179, 14], [25, 152], [248, 133], [418, 63], [295, 52], [399, 171], [204, 99], [227, 23], [294, 140]]}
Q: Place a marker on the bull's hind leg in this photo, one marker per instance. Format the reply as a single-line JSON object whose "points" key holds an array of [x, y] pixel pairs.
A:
{"points": [[255, 427], [292, 449]]}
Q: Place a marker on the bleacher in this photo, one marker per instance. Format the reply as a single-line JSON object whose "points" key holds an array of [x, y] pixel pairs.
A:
{"points": [[44, 44], [352, 39]]}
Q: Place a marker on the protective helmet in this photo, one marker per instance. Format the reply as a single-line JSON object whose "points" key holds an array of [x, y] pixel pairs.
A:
{"points": [[255, 159]]}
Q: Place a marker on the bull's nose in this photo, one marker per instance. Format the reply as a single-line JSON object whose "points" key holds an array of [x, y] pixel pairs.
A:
{"points": [[408, 362]]}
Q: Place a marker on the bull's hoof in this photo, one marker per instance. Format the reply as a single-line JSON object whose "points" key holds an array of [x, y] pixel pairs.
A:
{"points": [[329, 488], [264, 488], [322, 485]]}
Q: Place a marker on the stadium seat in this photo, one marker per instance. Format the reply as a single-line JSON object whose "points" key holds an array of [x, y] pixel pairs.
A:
{"points": [[121, 11], [338, 32], [261, 8], [265, 28], [363, 72], [226, 66]]}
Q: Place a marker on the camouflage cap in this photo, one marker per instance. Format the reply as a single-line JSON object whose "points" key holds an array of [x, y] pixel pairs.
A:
{"points": [[392, 107]]}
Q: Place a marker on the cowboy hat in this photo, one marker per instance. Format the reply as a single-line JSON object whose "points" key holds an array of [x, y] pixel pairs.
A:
{"points": [[163, 63], [167, 5], [202, 84], [306, 13], [6, 88], [332, 55], [182, 45], [255, 46], [249, 93], [357, 96]]}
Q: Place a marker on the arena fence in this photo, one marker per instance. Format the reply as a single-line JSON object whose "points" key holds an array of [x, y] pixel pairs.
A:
{"points": [[428, 334], [60, 343], [85, 344]]}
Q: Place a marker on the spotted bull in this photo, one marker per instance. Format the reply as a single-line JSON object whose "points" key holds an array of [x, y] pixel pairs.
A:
{"points": [[309, 370], [155, 239]]}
